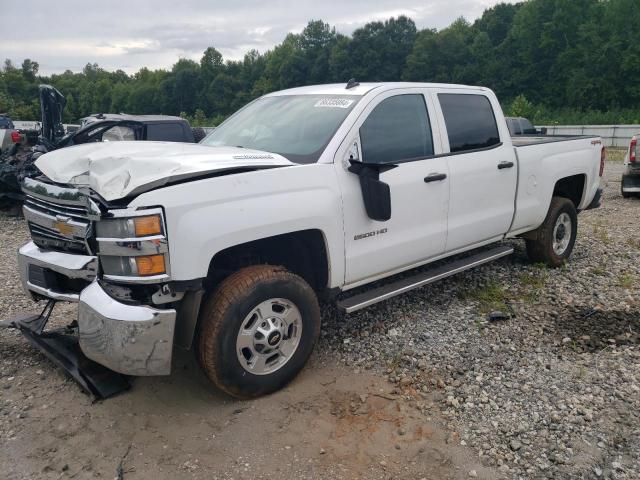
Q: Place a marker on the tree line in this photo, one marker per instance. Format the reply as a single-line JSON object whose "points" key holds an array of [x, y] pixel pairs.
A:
{"points": [[554, 61]]}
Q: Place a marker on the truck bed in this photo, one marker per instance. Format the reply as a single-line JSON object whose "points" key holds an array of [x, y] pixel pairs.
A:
{"points": [[542, 159], [526, 140]]}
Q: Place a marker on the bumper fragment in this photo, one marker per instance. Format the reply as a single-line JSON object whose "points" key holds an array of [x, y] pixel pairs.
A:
{"points": [[61, 347], [68, 266], [130, 339]]}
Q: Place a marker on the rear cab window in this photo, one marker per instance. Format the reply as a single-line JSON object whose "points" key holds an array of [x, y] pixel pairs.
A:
{"points": [[397, 130], [470, 121], [166, 132]]}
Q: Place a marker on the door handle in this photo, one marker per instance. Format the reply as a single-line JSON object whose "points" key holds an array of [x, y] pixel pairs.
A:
{"points": [[435, 177], [502, 165]]}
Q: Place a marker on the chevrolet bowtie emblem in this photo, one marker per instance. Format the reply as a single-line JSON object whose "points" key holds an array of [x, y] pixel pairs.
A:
{"points": [[61, 224]]}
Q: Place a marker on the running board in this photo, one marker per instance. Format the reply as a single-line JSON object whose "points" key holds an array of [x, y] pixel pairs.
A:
{"points": [[385, 292]]}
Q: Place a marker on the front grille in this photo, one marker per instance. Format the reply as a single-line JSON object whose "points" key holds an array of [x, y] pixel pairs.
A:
{"points": [[77, 212], [58, 218], [52, 240]]}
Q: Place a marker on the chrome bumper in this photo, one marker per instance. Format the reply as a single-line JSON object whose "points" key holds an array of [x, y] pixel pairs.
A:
{"points": [[84, 267], [130, 339]]}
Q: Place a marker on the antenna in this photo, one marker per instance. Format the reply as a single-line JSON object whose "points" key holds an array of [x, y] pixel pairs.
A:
{"points": [[352, 83]]}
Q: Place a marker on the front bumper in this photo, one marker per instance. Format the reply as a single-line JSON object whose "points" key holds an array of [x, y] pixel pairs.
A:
{"points": [[130, 339], [65, 266]]}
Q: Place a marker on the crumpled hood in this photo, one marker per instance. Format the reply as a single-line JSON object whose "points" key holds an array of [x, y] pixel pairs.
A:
{"points": [[116, 170]]}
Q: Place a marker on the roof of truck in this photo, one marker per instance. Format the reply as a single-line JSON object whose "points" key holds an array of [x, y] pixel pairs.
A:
{"points": [[126, 116], [363, 88]]}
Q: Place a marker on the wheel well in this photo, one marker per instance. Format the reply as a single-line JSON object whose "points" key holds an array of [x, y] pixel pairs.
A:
{"points": [[302, 253], [570, 187]]}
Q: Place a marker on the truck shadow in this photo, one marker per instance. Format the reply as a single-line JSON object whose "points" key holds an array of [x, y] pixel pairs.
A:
{"points": [[592, 330]]}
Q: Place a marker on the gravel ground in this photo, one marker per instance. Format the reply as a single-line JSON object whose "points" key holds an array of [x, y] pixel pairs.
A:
{"points": [[551, 390]]}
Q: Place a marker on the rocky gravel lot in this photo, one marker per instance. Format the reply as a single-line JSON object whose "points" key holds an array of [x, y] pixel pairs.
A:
{"points": [[426, 385], [552, 391]]}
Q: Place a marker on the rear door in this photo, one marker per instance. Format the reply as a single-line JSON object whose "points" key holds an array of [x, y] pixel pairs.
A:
{"points": [[482, 168], [395, 130]]}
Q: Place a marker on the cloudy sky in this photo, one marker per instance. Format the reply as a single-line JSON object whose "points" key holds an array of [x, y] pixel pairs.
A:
{"points": [[67, 34]]}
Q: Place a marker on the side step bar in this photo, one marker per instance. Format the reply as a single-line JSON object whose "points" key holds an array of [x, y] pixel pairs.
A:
{"points": [[385, 292]]}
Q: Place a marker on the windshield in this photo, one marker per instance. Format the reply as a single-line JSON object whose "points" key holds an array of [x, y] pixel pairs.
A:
{"points": [[298, 127]]}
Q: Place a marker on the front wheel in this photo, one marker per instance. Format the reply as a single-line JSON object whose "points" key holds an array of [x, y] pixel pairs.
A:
{"points": [[553, 241], [257, 330]]}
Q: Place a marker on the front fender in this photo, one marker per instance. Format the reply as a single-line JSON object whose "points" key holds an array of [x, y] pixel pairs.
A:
{"points": [[207, 216]]}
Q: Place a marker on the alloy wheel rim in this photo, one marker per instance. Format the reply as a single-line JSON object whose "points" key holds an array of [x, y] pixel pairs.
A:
{"points": [[269, 336], [562, 232]]}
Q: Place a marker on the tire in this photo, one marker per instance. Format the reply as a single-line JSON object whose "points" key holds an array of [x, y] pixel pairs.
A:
{"points": [[246, 301], [540, 246]]}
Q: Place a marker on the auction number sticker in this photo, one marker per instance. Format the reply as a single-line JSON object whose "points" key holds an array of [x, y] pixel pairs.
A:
{"points": [[334, 102]]}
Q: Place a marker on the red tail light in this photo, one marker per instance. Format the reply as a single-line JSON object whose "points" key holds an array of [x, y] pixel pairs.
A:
{"points": [[603, 157], [632, 150], [15, 137]]}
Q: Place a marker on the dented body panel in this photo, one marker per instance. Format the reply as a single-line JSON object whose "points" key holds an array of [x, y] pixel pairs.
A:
{"points": [[121, 169]]}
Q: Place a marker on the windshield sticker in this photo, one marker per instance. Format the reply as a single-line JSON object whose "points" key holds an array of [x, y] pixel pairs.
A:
{"points": [[334, 102]]}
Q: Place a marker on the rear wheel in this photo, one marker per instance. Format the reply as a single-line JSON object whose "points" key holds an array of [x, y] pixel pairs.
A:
{"points": [[622, 192], [552, 243], [257, 330]]}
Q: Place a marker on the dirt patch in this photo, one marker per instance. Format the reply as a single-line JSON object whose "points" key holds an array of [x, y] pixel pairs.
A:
{"points": [[330, 423]]}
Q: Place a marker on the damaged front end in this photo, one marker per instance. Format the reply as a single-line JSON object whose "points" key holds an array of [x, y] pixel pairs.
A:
{"points": [[72, 235], [19, 163]]}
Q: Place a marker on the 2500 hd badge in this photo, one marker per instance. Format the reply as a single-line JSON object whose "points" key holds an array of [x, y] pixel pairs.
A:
{"points": [[370, 234]]}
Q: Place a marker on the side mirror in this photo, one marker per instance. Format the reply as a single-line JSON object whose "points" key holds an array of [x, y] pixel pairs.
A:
{"points": [[376, 194], [377, 198]]}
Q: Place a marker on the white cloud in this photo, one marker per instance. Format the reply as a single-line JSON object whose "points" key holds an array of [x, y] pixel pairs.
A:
{"points": [[68, 34]]}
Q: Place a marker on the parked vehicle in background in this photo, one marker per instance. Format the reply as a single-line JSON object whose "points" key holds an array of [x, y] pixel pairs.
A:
{"points": [[52, 135], [6, 123], [630, 182], [303, 194], [9, 136], [523, 126], [163, 128]]}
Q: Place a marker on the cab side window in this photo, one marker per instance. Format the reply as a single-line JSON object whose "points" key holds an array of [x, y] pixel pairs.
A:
{"points": [[397, 130], [470, 121]]}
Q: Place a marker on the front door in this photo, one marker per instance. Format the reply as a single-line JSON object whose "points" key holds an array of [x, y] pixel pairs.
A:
{"points": [[395, 131]]}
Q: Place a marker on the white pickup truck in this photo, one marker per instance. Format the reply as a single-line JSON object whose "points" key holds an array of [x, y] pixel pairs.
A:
{"points": [[302, 195]]}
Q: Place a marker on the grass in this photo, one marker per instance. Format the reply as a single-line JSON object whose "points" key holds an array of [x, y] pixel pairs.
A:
{"points": [[601, 233], [627, 280], [490, 297], [616, 155], [534, 283], [633, 242], [600, 271], [495, 297]]}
